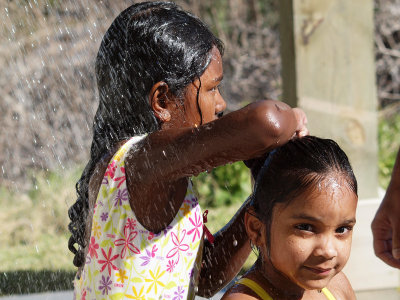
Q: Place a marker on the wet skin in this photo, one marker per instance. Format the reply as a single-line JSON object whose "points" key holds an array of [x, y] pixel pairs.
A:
{"points": [[311, 237], [190, 142], [184, 110], [310, 244]]}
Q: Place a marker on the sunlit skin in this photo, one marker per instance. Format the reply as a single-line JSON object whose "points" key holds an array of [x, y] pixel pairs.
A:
{"points": [[192, 139], [310, 244], [211, 103], [311, 237]]}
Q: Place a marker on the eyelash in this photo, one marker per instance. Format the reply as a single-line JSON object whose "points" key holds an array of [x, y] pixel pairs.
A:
{"points": [[214, 89], [348, 228], [301, 227], [310, 228]]}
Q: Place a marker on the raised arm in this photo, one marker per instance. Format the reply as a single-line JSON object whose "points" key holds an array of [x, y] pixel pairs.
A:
{"points": [[158, 167], [386, 224]]}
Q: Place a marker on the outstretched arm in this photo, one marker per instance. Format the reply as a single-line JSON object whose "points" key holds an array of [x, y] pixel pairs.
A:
{"points": [[159, 166], [386, 224], [223, 259]]}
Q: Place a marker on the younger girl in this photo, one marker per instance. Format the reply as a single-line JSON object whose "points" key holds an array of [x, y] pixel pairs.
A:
{"points": [[137, 229], [300, 219]]}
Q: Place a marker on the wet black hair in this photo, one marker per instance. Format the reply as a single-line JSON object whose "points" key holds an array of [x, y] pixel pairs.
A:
{"points": [[293, 168], [147, 43]]}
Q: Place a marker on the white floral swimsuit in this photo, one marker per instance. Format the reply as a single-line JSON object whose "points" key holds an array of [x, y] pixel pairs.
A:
{"points": [[126, 261]]}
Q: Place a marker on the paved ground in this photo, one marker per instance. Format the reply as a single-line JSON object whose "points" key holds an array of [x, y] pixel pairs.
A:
{"points": [[366, 295]]}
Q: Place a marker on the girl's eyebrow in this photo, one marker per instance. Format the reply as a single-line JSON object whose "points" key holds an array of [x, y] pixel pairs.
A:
{"points": [[316, 219], [306, 217]]}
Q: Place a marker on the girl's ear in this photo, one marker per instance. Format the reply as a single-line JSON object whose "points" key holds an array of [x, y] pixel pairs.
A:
{"points": [[254, 228], [158, 101]]}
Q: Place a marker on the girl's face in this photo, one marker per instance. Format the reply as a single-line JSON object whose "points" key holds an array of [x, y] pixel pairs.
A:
{"points": [[210, 101], [311, 236]]}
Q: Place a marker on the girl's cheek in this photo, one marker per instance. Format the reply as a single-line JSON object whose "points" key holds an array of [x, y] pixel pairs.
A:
{"points": [[300, 248]]}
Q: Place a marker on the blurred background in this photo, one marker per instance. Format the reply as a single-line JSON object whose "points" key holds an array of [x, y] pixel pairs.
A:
{"points": [[48, 98]]}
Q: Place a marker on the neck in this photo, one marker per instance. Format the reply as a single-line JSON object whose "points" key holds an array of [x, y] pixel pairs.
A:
{"points": [[277, 284]]}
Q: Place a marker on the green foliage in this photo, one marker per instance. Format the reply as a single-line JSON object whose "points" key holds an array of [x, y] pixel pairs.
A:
{"points": [[36, 233], [224, 186], [389, 142]]}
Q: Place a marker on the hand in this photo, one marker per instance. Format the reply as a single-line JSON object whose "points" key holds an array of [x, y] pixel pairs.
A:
{"points": [[301, 119], [386, 228]]}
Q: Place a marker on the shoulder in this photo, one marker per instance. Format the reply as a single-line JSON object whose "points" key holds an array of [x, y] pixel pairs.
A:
{"points": [[341, 288], [239, 291]]}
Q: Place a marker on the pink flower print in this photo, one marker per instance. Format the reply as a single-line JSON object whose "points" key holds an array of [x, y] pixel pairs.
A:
{"points": [[93, 246], [110, 170], [197, 223], [151, 236], [179, 293], [171, 266], [104, 216], [110, 235], [105, 284], [108, 261], [149, 256], [130, 223], [83, 296], [178, 245], [122, 178], [122, 195], [126, 242]]}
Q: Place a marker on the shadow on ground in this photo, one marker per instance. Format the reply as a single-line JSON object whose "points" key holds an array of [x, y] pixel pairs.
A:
{"points": [[28, 282]]}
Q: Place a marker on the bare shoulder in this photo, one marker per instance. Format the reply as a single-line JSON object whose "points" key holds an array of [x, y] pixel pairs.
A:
{"points": [[341, 288]]}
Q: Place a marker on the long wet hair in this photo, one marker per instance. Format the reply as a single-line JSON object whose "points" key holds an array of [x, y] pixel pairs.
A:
{"points": [[147, 43], [294, 168]]}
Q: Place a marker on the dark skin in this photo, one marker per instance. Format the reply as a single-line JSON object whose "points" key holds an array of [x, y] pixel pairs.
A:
{"points": [[190, 142], [386, 224]]}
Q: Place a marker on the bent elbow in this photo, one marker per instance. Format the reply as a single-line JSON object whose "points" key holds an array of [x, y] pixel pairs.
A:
{"points": [[275, 121]]}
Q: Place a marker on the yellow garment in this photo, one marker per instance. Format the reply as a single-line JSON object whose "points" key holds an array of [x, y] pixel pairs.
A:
{"points": [[328, 294], [255, 287]]}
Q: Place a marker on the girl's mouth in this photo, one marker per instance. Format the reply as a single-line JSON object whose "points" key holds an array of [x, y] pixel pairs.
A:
{"points": [[319, 271]]}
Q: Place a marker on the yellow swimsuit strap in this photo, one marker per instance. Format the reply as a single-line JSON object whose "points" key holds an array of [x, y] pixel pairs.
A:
{"points": [[328, 294], [256, 288]]}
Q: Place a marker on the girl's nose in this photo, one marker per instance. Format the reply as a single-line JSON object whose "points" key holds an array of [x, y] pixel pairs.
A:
{"points": [[220, 105], [326, 247]]}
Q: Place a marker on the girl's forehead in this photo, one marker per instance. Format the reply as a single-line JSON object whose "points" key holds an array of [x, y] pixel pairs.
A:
{"points": [[332, 192]]}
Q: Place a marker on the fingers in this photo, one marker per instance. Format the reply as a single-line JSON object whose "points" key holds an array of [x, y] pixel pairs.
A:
{"points": [[383, 244], [396, 241], [301, 122]]}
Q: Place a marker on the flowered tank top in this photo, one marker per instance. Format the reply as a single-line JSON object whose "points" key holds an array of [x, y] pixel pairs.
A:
{"points": [[126, 261]]}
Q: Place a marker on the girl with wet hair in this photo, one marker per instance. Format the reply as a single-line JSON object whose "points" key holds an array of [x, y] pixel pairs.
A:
{"points": [[300, 219], [137, 228]]}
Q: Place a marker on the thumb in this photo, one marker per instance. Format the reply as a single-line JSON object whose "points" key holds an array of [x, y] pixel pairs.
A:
{"points": [[396, 240]]}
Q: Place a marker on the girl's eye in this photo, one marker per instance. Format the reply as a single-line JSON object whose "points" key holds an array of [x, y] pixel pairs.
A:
{"points": [[304, 227], [214, 89], [343, 229]]}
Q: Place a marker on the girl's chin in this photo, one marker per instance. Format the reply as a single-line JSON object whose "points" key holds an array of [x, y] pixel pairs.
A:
{"points": [[313, 284]]}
